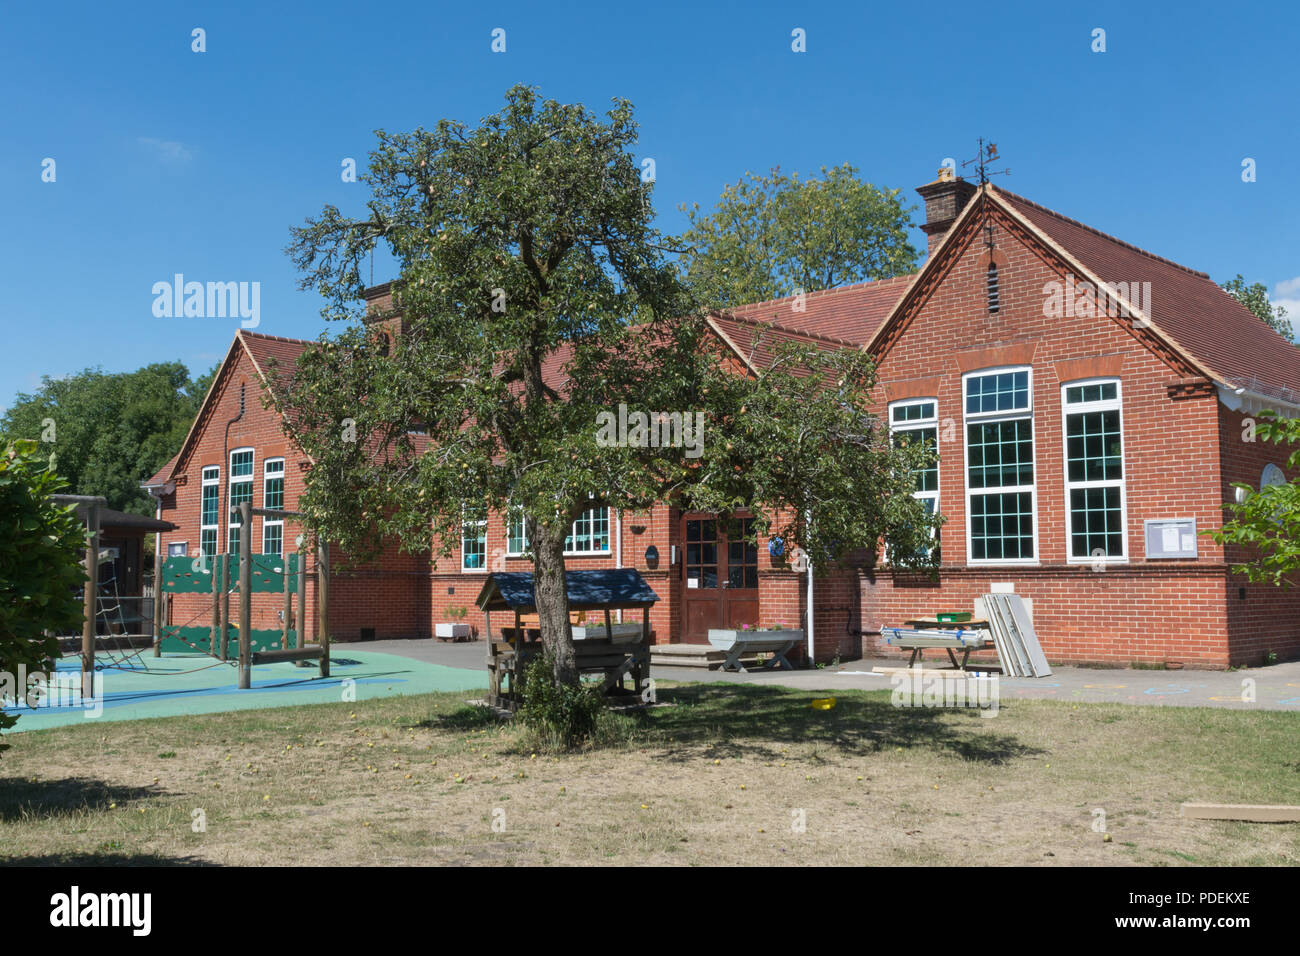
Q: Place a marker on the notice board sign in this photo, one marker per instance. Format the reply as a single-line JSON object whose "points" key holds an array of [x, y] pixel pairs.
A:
{"points": [[1171, 538]]}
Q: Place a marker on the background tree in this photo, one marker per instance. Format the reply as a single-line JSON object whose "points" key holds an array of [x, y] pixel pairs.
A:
{"points": [[537, 295], [40, 569], [771, 236], [110, 431], [1255, 298], [1266, 526]]}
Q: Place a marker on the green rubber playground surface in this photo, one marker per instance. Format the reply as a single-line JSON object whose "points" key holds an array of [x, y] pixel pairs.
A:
{"points": [[176, 684]]}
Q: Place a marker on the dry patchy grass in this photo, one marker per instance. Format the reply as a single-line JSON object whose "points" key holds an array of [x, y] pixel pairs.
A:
{"points": [[718, 775]]}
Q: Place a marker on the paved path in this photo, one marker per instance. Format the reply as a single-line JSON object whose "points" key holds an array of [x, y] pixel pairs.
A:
{"points": [[1275, 688]]}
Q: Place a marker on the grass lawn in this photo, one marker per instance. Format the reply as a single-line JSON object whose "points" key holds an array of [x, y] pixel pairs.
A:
{"points": [[716, 774]]}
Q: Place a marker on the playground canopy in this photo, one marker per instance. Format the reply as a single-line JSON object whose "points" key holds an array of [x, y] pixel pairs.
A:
{"points": [[605, 589], [613, 651]]}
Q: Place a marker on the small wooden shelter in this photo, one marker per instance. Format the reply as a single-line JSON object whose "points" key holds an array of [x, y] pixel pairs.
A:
{"points": [[612, 649]]}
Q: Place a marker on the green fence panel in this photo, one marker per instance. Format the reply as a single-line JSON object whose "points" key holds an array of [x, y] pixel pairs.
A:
{"points": [[195, 640], [186, 575]]}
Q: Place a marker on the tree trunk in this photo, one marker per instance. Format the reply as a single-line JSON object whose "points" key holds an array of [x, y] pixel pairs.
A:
{"points": [[553, 601]]}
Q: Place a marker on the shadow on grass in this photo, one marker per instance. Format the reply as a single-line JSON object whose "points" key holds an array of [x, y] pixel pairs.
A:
{"points": [[22, 799], [104, 859], [466, 717], [728, 720]]}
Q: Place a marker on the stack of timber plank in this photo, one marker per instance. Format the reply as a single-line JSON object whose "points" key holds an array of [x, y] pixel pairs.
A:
{"points": [[1013, 635]]}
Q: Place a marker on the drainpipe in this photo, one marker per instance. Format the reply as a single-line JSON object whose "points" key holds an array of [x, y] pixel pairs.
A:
{"points": [[618, 547], [811, 658]]}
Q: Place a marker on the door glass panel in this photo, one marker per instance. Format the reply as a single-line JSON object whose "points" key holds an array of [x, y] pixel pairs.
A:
{"points": [[701, 554]]}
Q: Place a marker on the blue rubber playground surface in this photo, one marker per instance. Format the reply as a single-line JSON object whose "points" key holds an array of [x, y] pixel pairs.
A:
{"points": [[177, 684]]}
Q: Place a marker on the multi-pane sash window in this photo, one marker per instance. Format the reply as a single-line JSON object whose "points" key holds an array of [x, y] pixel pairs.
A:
{"points": [[241, 490], [210, 512], [589, 534], [1094, 470], [273, 497], [516, 532], [919, 421], [1000, 465], [473, 540]]}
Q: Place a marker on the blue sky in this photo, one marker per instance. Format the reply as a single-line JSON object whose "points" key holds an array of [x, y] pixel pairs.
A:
{"points": [[170, 161]]}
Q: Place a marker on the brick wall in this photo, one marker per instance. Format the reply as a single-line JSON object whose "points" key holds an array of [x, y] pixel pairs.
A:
{"points": [[1141, 611], [1261, 618]]}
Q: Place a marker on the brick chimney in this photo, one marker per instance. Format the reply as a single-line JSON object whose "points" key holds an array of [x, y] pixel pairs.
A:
{"points": [[380, 311], [945, 198]]}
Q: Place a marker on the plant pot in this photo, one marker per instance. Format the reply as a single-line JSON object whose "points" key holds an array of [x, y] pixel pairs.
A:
{"points": [[446, 630]]}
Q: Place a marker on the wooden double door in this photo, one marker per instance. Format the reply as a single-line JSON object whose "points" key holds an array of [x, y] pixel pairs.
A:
{"points": [[719, 573]]}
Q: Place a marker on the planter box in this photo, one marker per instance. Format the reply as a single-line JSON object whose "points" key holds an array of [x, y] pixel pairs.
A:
{"points": [[454, 632], [754, 641], [737, 643], [622, 633]]}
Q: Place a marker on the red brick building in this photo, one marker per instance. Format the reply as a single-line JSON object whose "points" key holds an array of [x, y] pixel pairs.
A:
{"points": [[1091, 404]]}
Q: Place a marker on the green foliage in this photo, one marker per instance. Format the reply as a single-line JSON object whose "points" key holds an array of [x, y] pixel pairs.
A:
{"points": [[560, 716], [1255, 298], [109, 432], [527, 243], [39, 562], [772, 236], [1266, 526]]}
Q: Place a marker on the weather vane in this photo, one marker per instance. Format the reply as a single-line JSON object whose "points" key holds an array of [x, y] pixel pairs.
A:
{"points": [[988, 153]]}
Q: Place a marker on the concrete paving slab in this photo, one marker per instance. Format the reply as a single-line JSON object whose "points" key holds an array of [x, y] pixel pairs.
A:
{"points": [[1273, 688]]}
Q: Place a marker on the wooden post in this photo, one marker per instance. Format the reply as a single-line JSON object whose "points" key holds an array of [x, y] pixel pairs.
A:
{"points": [[223, 637], [90, 603], [643, 669], [301, 631], [216, 602], [159, 609], [245, 593], [323, 605], [288, 602]]}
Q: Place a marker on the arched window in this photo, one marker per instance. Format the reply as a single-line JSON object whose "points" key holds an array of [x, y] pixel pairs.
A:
{"points": [[992, 286]]}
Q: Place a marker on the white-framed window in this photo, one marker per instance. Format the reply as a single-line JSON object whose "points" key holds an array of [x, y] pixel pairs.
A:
{"points": [[917, 419], [516, 533], [589, 534], [178, 549], [210, 511], [473, 539], [273, 497], [1093, 429], [241, 490], [1001, 517]]}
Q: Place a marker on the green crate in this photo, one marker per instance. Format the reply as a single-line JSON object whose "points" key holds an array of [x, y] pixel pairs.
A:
{"points": [[953, 617]]}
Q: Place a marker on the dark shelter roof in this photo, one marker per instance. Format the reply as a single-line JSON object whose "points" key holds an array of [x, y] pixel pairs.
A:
{"points": [[588, 590], [110, 520]]}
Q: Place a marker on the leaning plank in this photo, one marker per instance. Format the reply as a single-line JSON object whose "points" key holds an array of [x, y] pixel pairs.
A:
{"points": [[1251, 812]]}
